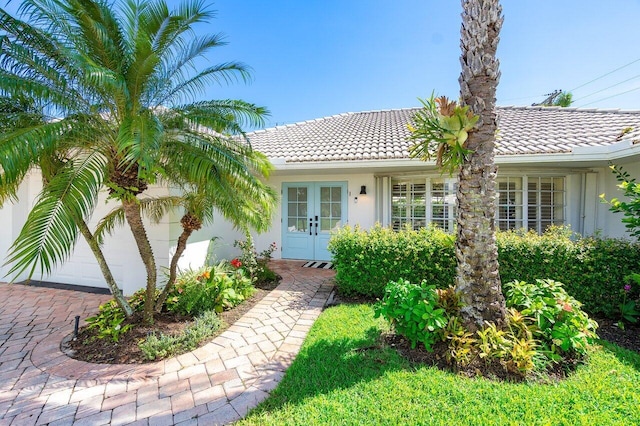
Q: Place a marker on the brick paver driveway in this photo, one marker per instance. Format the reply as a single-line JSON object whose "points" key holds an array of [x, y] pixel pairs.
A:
{"points": [[215, 384]]}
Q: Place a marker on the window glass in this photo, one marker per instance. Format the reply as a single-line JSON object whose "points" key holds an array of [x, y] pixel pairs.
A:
{"points": [[545, 198], [408, 204], [510, 203], [522, 202]]}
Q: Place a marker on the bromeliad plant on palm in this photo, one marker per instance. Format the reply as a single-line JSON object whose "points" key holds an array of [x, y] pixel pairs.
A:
{"points": [[441, 129]]}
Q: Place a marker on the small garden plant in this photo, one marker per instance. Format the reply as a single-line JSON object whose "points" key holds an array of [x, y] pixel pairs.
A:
{"points": [[629, 306], [197, 294], [256, 264], [161, 346], [209, 289], [545, 326]]}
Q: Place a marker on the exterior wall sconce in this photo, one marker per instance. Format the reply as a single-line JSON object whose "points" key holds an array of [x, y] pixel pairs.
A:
{"points": [[363, 190]]}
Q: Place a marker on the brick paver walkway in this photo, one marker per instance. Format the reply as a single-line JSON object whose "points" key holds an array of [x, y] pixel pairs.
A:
{"points": [[215, 384]]}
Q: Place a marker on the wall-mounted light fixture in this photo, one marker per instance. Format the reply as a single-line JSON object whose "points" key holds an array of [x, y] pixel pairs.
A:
{"points": [[363, 190]]}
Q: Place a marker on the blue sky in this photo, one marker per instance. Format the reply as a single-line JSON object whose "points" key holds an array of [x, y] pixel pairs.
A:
{"points": [[313, 58], [318, 58]]}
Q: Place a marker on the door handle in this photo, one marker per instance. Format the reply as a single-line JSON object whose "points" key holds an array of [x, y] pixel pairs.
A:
{"points": [[316, 228], [310, 225]]}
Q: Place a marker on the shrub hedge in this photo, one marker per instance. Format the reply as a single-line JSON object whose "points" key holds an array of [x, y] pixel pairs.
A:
{"points": [[366, 261], [592, 270]]}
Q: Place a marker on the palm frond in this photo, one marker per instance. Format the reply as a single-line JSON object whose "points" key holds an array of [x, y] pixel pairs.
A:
{"points": [[99, 33], [139, 141], [199, 159], [21, 150], [224, 116], [153, 208], [190, 87], [33, 62], [50, 232]]}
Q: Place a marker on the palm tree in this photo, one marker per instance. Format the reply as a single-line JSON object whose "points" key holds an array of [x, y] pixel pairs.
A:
{"points": [[18, 115], [115, 82], [245, 212], [478, 279]]}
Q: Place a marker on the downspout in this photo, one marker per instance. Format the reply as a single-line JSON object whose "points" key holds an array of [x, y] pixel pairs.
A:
{"points": [[583, 201]]}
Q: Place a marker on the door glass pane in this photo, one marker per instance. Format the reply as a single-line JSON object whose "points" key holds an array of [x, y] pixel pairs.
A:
{"points": [[325, 209], [297, 209], [330, 208], [325, 194]]}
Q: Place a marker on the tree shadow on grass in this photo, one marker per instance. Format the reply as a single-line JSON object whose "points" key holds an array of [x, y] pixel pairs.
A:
{"points": [[329, 365], [625, 356]]}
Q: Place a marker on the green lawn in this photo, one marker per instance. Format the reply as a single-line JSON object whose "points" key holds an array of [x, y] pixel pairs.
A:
{"points": [[338, 379]]}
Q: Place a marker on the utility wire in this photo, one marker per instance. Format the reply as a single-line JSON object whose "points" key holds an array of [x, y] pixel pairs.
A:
{"points": [[609, 97], [589, 82], [604, 75], [607, 88], [521, 98]]}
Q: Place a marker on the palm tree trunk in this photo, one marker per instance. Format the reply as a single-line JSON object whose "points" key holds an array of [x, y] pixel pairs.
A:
{"points": [[104, 267], [478, 278], [173, 267], [134, 219]]}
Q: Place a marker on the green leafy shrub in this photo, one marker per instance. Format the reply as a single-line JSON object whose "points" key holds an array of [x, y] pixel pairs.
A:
{"points": [[209, 289], [593, 269], [544, 325], [157, 347], [630, 207], [561, 326], [513, 347], [256, 264], [413, 311], [108, 322], [366, 261]]}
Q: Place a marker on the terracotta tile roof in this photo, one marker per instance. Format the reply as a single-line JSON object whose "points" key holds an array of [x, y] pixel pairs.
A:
{"points": [[383, 135]]}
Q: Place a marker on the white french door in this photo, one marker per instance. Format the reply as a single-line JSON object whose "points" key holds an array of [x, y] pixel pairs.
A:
{"points": [[310, 211]]}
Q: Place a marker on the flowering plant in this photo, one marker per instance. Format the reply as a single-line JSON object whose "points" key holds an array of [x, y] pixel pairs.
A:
{"points": [[255, 263], [628, 310], [236, 263]]}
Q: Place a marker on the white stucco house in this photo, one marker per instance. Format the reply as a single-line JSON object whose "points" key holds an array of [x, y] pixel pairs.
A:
{"points": [[354, 168]]}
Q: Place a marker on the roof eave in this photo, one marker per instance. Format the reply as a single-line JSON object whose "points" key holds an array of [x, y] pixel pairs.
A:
{"points": [[584, 155]]}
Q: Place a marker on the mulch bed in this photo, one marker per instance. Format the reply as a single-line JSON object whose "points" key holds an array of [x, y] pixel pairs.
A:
{"points": [[628, 338], [126, 351], [608, 330]]}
